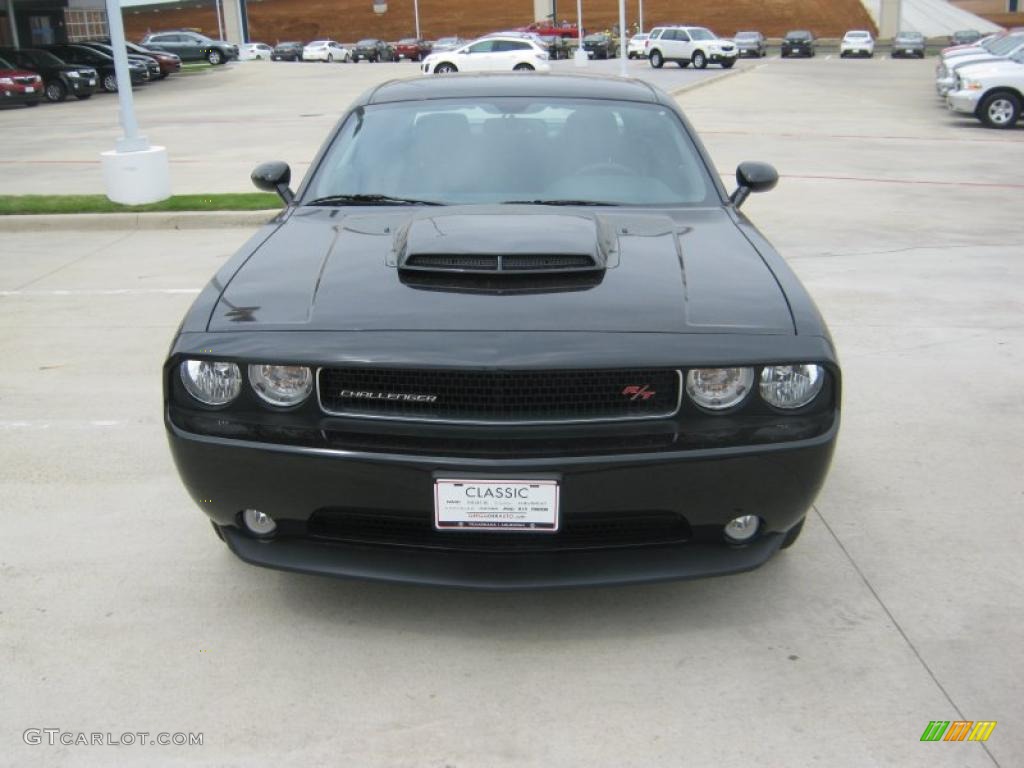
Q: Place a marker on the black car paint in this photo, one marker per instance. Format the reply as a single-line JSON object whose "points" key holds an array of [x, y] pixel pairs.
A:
{"points": [[103, 63], [287, 52], [54, 74], [377, 51], [317, 287], [799, 45]]}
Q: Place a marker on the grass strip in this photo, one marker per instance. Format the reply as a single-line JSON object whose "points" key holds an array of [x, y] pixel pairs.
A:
{"points": [[44, 204]]}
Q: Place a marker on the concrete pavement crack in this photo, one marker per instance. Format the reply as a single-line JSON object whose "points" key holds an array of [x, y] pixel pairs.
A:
{"points": [[899, 627], [81, 258]]}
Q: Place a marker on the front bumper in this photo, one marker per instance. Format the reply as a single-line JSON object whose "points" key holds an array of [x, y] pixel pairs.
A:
{"points": [[965, 102], [707, 488], [856, 51], [20, 97], [944, 85], [719, 57]]}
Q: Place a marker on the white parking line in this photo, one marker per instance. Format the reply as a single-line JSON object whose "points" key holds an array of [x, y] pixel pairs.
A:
{"points": [[105, 292], [829, 57], [70, 424]]}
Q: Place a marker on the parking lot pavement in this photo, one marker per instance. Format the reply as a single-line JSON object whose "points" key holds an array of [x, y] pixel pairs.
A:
{"points": [[219, 123], [901, 603]]}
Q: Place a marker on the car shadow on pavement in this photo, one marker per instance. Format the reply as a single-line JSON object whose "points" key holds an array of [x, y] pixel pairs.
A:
{"points": [[556, 614]]}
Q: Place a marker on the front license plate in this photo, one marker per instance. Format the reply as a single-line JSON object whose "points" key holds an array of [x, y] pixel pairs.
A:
{"points": [[92, 82], [496, 505], [908, 51], [29, 89]]}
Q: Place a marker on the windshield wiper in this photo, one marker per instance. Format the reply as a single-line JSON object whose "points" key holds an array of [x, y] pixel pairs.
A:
{"points": [[556, 202], [369, 199]]}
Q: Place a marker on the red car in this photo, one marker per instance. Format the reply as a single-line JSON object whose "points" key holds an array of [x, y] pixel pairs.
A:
{"points": [[556, 30], [19, 86], [413, 49]]}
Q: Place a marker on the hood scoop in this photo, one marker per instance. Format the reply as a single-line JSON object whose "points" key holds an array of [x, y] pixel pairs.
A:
{"points": [[488, 253]]}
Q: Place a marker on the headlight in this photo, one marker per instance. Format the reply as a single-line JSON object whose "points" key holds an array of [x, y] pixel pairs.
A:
{"points": [[210, 382], [73, 74], [791, 386], [972, 85], [719, 388], [6, 81], [281, 385]]}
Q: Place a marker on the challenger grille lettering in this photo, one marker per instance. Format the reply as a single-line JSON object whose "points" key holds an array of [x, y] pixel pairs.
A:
{"points": [[391, 396]]}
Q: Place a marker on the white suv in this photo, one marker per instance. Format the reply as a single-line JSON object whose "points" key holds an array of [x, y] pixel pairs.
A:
{"points": [[689, 45], [992, 91], [499, 53]]}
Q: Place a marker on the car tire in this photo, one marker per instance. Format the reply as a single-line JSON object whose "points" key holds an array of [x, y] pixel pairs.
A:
{"points": [[1000, 109], [330, 58], [699, 60], [83, 96], [109, 83], [32, 103], [214, 58], [657, 60], [792, 535], [56, 91], [445, 68], [523, 67], [728, 64]]}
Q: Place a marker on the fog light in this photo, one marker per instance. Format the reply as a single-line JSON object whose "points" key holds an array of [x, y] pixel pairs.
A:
{"points": [[258, 523], [742, 529]]}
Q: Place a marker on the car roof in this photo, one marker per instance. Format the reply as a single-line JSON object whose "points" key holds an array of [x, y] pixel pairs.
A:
{"points": [[489, 85]]}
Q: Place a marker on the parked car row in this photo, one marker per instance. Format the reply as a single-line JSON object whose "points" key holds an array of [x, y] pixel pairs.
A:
{"points": [[985, 78], [77, 69]]}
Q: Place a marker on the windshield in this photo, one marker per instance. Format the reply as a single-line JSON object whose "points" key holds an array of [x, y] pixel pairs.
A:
{"points": [[746, 36], [856, 35], [911, 36], [515, 149], [44, 58], [798, 36], [366, 43], [1006, 44]]}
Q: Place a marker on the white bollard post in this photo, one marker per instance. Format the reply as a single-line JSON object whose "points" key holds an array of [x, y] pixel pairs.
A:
{"points": [[134, 172]]}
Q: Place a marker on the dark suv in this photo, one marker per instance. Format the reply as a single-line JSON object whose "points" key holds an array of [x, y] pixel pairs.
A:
{"points": [[799, 42], [191, 46], [59, 79], [103, 63], [152, 67], [373, 50], [599, 46]]}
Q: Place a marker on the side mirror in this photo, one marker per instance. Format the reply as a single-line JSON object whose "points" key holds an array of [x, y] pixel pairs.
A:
{"points": [[753, 177], [274, 177]]}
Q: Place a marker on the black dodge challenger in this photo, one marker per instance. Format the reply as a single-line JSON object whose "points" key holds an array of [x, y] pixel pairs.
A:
{"points": [[510, 331]]}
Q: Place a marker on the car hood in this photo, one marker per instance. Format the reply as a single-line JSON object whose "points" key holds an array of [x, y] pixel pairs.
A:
{"points": [[341, 269], [989, 67]]}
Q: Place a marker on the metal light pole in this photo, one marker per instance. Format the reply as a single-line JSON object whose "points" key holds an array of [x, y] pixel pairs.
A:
{"points": [[640, 21], [416, 14], [580, 58], [623, 41], [134, 172], [220, 20]]}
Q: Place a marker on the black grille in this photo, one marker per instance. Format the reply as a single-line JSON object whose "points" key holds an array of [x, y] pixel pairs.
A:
{"points": [[416, 529], [500, 396]]}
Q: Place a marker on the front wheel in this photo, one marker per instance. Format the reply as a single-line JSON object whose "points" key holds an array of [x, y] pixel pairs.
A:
{"points": [[56, 91], [727, 64], [330, 58], [524, 67], [657, 60], [700, 61], [445, 68], [214, 58], [999, 110], [110, 84]]}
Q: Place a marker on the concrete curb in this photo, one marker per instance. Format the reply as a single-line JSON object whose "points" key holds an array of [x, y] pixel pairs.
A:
{"points": [[91, 222]]}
